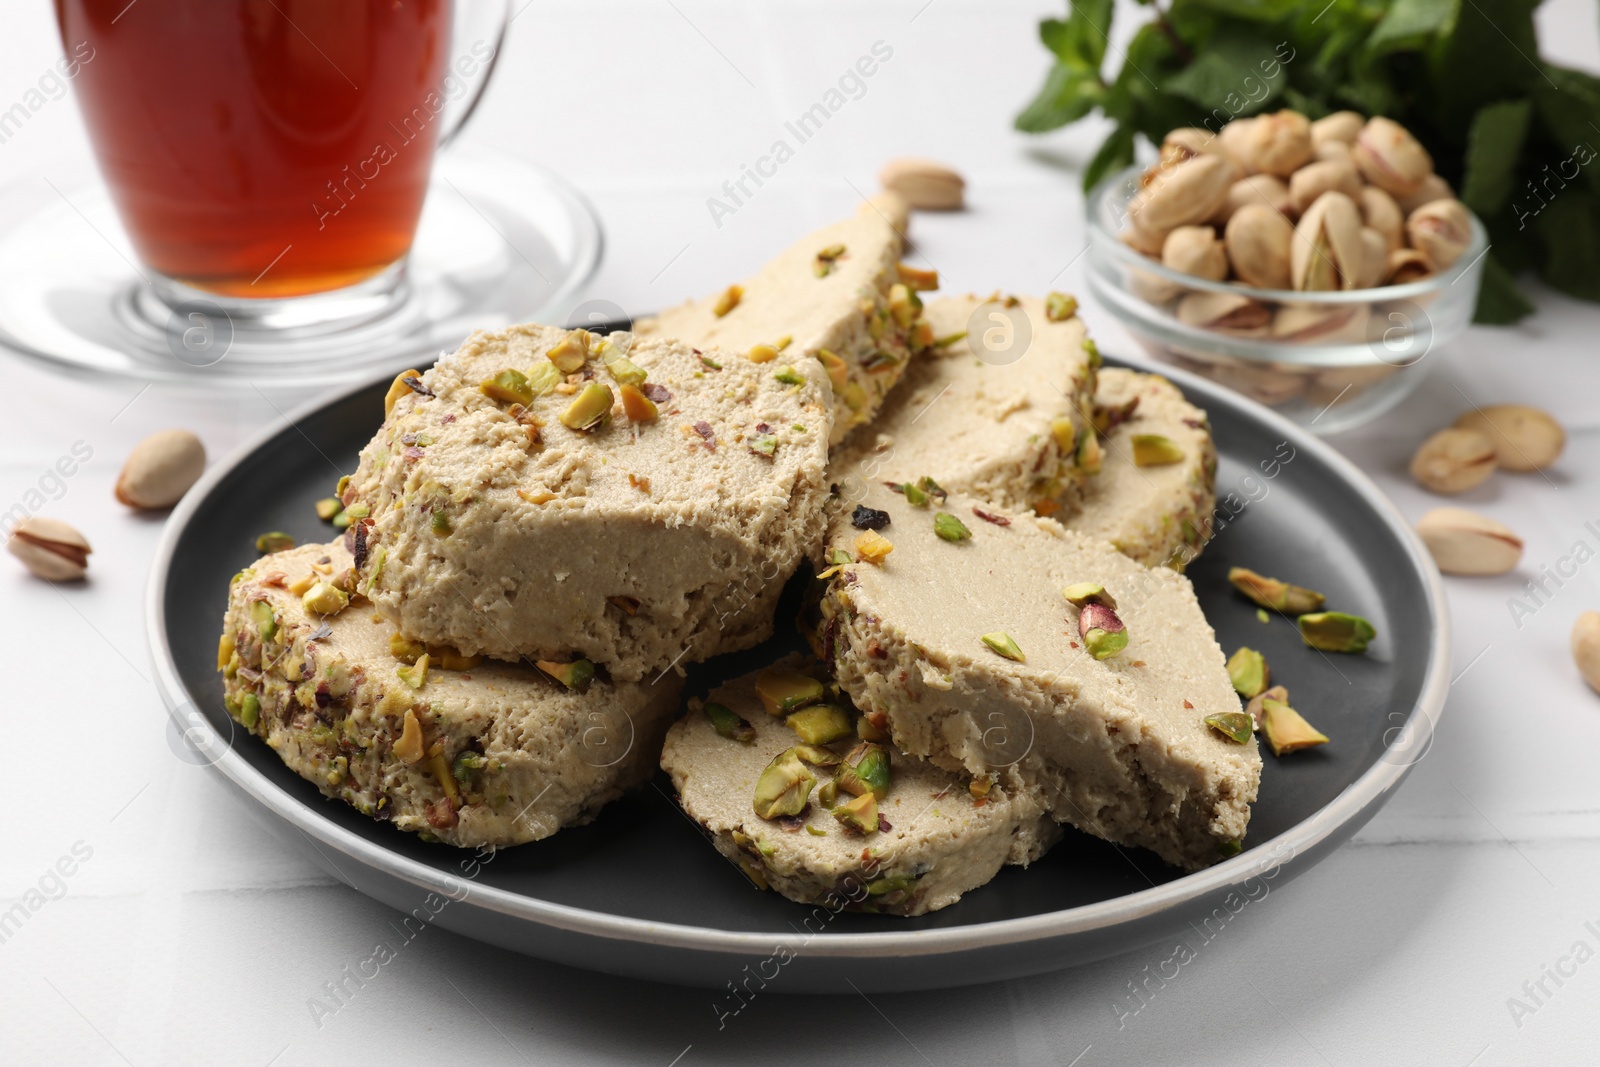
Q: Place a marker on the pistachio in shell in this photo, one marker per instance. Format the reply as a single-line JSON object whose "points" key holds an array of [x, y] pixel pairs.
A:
{"points": [[1258, 240], [1183, 195], [1279, 143], [1195, 250], [1263, 189], [1440, 230], [1380, 211], [1390, 158], [1327, 253], [1323, 176], [1342, 127]]}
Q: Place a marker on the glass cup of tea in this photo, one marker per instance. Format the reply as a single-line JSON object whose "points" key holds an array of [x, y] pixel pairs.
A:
{"points": [[269, 159]]}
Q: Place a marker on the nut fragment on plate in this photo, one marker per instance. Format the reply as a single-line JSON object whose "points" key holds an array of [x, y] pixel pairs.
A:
{"points": [[1586, 647], [924, 184], [160, 469], [50, 548], [1453, 461], [1464, 542], [1524, 438]]}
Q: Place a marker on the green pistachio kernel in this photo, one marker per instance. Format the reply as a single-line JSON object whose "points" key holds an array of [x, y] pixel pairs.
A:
{"points": [[265, 620], [728, 723], [576, 675], [783, 787], [249, 711], [276, 541], [1248, 671], [328, 507], [821, 723], [510, 386], [790, 376], [859, 814], [1335, 631], [950, 528], [1236, 726], [865, 770], [782, 690], [1002, 644]]}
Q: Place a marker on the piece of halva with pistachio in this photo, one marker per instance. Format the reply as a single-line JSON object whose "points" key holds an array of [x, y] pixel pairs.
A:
{"points": [[547, 493], [999, 408], [1045, 658], [468, 752], [1156, 488], [807, 797], [839, 296]]}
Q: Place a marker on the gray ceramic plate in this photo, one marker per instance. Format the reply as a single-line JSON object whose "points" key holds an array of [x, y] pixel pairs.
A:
{"points": [[639, 893]]}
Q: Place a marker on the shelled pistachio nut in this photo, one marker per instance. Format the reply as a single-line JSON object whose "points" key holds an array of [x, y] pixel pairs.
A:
{"points": [[1274, 593], [1380, 211], [1183, 195], [1390, 158], [1258, 240], [1325, 176], [1440, 230], [1524, 438], [1453, 461], [1586, 647], [1341, 126], [1195, 250], [1327, 253], [1279, 143], [1464, 542], [1336, 631], [160, 469], [50, 548]]}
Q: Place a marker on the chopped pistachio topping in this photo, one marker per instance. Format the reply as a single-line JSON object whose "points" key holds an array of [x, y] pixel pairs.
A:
{"points": [[1101, 630], [825, 260], [914, 496], [783, 788], [949, 339], [1090, 454], [815, 755], [571, 352], [404, 649], [1002, 644], [440, 524], [510, 386], [249, 711], [827, 793], [358, 511], [276, 541], [859, 815], [1089, 593], [761, 354], [466, 765], [904, 304], [1236, 726], [1287, 731], [576, 675], [821, 724], [950, 528], [917, 278], [838, 370], [1335, 631], [324, 598], [1065, 433], [1271, 593], [1231, 847], [782, 690], [763, 444], [873, 547], [397, 389], [637, 406], [266, 622], [1248, 671], [626, 371], [898, 883], [816, 831], [728, 300], [328, 507], [1093, 350], [543, 378], [728, 723], [789, 376], [416, 675], [1262, 616], [409, 748], [1058, 307], [865, 770], [783, 342], [1154, 450], [590, 409]]}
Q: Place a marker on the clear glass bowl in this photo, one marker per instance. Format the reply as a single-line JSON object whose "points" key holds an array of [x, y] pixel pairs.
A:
{"points": [[1330, 361]]}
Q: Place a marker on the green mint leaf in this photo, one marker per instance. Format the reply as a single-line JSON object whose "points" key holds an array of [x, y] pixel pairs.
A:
{"points": [[1569, 229], [1500, 302], [1238, 75], [1068, 95], [1494, 145], [1409, 25], [1116, 152]]}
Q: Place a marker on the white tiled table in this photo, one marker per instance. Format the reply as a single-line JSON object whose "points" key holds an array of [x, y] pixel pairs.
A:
{"points": [[187, 935]]}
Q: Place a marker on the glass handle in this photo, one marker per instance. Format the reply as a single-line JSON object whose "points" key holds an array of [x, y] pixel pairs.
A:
{"points": [[484, 23]]}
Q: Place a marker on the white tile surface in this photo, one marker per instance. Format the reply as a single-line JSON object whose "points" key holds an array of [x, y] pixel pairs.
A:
{"points": [[189, 935]]}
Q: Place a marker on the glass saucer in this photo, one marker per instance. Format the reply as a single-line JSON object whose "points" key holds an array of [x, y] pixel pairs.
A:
{"points": [[500, 241]]}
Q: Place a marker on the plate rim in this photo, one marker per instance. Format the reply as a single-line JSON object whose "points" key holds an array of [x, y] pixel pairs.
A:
{"points": [[1303, 838]]}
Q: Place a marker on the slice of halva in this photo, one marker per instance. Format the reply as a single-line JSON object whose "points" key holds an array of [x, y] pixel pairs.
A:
{"points": [[1001, 412], [917, 847], [839, 295], [469, 753], [963, 636], [548, 494], [1156, 490]]}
